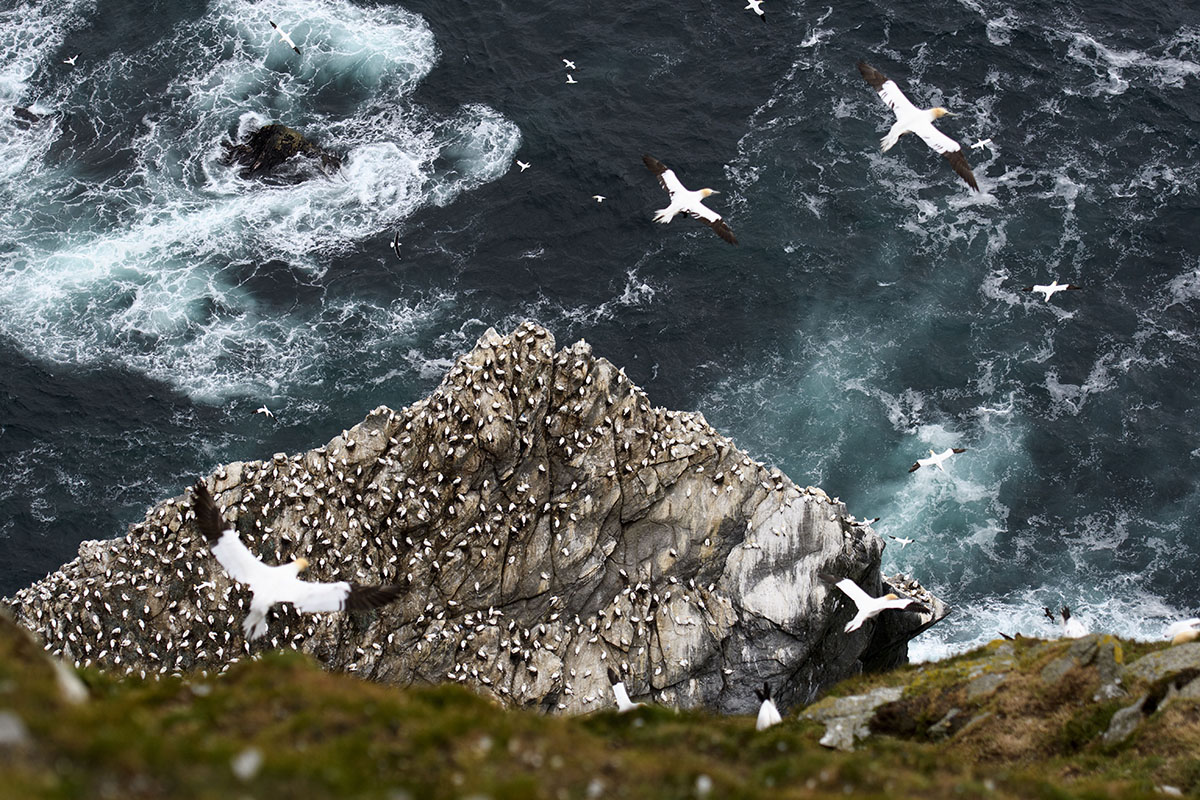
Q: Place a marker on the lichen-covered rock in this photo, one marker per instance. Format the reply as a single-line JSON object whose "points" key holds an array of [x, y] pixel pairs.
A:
{"points": [[272, 145], [847, 719], [549, 522]]}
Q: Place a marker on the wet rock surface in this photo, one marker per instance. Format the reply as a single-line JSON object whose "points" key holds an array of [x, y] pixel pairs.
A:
{"points": [[549, 522], [271, 146]]}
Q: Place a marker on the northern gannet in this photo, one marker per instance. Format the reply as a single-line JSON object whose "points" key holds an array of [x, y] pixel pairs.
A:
{"points": [[524, 165], [396, 244], [756, 7], [571, 78], [1051, 289], [71, 60], [936, 459], [271, 585], [622, 697], [768, 714], [982, 143], [910, 119], [868, 606], [1072, 628], [1187, 630], [265, 412], [287, 39], [903, 540], [599, 198], [685, 201], [568, 63]]}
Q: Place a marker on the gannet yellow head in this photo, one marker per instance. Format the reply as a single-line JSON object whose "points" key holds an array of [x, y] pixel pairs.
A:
{"points": [[940, 112], [1189, 635], [301, 564], [707, 192], [891, 596]]}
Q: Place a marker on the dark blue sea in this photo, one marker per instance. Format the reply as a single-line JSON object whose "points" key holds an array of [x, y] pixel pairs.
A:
{"points": [[150, 299]]}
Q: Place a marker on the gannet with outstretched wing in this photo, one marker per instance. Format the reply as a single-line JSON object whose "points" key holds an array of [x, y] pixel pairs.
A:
{"points": [[619, 694], [869, 607], [685, 201], [936, 459], [910, 119], [285, 36], [278, 584], [1050, 289]]}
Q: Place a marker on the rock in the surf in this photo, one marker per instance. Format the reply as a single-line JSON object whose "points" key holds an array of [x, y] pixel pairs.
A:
{"points": [[272, 145], [550, 523]]}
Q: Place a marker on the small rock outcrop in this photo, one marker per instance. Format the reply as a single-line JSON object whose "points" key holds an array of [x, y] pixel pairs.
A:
{"points": [[549, 523], [272, 145]]}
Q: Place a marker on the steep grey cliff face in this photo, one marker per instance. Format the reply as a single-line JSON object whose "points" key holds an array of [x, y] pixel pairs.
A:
{"points": [[548, 522]]}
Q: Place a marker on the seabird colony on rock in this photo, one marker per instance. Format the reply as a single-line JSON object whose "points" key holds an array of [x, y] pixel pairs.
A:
{"points": [[1072, 628], [910, 119], [936, 459], [1051, 289], [285, 37], [278, 584], [685, 201], [870, 607], [768, 714]]}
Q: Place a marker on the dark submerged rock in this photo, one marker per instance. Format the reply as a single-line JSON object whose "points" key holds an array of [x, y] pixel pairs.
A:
{"points": [[272, 145]]}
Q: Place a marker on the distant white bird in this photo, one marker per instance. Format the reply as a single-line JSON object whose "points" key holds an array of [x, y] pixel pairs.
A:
{"points": [[869, 607], [910, 119], [756, 7], [982, 143], [571, 78], [1051, 289], [271, 585], [903, 540], [569, 63], [599, 198], [685, 201], [287, 39], [622, 697], [936, 459], [1072, 628], [524, 165], [71, 60], [265, 412], [1187, 630], [396, 244], [861, 523], [768, 714]]}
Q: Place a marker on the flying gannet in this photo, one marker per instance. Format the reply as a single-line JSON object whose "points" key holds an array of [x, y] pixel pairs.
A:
{"points": [[571, 78], [1072, 628], [599, 198], [910, 119], [869, 607], [936, 459], [756, 7], [71, 60], [1051, 289], [287, 39], [396, 244], [903, 540], [524, 165], [1187, 630], [279, 584], [768, 714], [982, 143], [265, 412], [622, 697], [685, 201], [568, 63]]}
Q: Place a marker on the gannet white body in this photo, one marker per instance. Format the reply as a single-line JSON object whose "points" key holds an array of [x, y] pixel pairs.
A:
{"points": [[524, 165], [571, 78], [768, 714], [1072, 628], [1051, 289], [903, 540], [756, 7], [622, 697], [685, 201], [266, 412], [71, 61], [982, 143], [936, 459], [568, 63], [285, 36], [278, 584], [599, 198], [910, 119], [869, 607], [1187, 630]]}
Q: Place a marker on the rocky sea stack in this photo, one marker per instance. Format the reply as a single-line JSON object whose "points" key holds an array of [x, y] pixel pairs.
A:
{"points": [[272, 145], [549, 522]]}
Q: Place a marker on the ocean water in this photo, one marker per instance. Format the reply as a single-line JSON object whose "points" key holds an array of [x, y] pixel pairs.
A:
{"points": [[150, 300]]}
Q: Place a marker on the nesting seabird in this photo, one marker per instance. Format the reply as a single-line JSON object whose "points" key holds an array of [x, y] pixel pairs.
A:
{"points": [[287, 39], [685, 201], [936, 459], [622, 697], [1051, 289], [1187, 630], [524, 165], [768, 714], [903, 540], [1072, 628], [910, 119], [756, 7], [869, 607], [278, 584]]}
